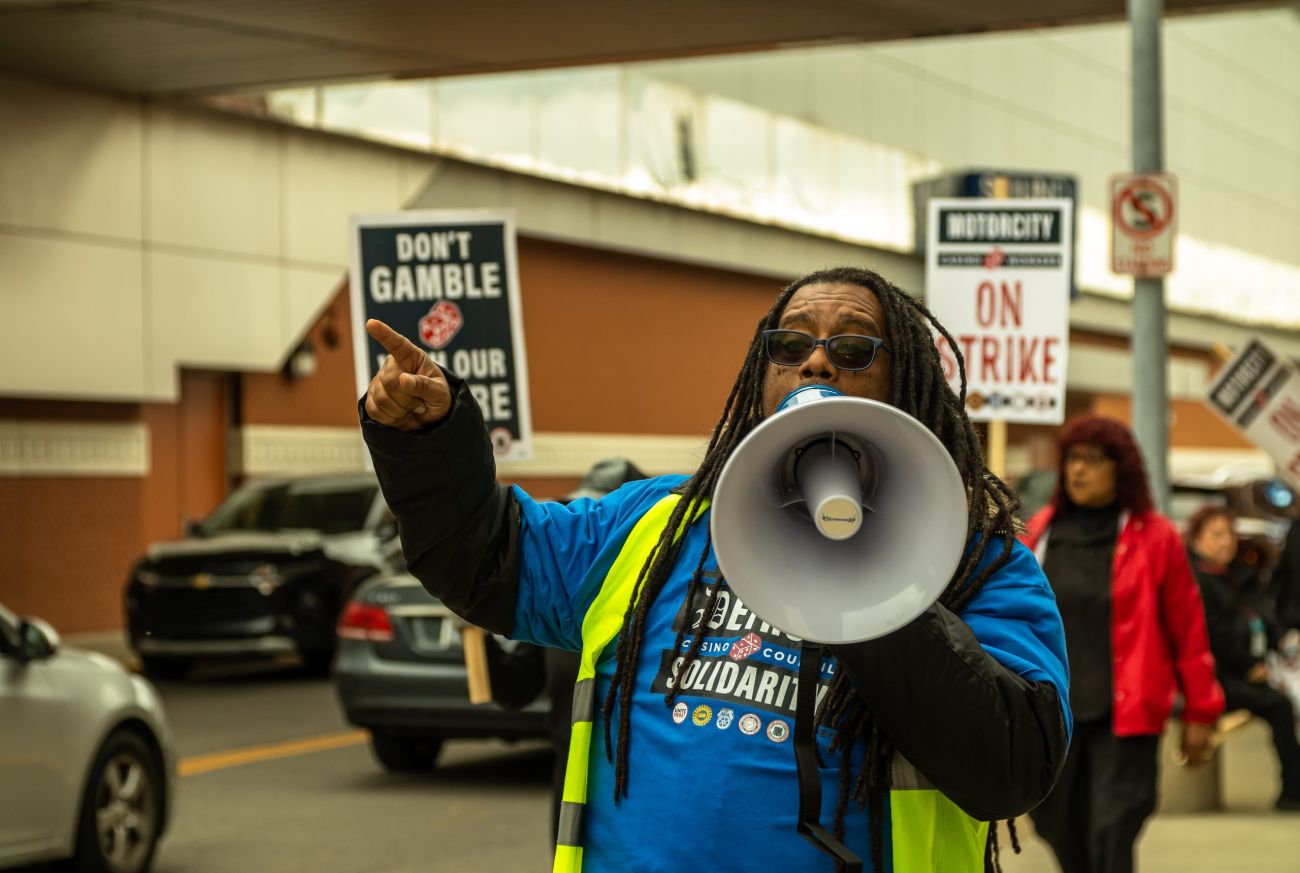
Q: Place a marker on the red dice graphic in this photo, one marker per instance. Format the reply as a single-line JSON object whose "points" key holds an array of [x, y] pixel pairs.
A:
{"points": [[745, 646], [442, 323]]}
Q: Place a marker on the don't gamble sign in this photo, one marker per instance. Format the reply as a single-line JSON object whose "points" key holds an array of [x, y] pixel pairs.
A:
{"points": [[448, 282]]}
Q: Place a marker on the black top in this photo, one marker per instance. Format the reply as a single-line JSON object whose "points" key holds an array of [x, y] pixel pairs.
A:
{"points": [[1080, 551], [1237, 617]]}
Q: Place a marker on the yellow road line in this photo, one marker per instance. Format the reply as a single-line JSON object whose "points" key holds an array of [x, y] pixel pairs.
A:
{"points": [[197, 764]]}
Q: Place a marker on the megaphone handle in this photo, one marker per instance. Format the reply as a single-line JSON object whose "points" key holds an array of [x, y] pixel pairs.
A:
{"points": [[805, 757]]}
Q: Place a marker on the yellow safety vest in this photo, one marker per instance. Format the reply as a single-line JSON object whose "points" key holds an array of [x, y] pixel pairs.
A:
{"points": [[929, 832]]}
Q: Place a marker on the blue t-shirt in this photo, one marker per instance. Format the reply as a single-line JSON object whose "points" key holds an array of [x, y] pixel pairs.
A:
{"points": [[712, 781]]}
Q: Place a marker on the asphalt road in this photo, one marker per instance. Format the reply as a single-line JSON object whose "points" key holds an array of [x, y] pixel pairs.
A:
{"points": [[274, 781], [270, 803]]}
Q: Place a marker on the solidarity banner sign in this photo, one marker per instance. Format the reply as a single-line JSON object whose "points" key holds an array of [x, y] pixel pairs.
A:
{"points": [[998, 278], [448, 281]]}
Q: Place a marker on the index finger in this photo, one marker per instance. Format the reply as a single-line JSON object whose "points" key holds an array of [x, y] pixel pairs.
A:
{"points": [[406, 353]]}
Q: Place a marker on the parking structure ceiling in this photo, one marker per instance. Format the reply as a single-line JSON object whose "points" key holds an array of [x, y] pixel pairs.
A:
{"points": [[186, 47]]}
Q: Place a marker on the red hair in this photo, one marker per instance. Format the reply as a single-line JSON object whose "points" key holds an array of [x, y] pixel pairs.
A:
{"points": [[1131, 489]]}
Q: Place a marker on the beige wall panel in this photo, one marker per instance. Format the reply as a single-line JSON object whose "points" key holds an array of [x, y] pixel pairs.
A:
{"points": [[894, 99], [986, 145], [1107, 46], [59, 448], [461, 186], [71, 161], [307, 292], [947, 120], [71, 325], [949, 58], [565, 211], [220, 314], [414, 174], [699, 237], [1025, 75], [1069, 155], [325, 180], [782, 84], [214, 182], [837, 89]]}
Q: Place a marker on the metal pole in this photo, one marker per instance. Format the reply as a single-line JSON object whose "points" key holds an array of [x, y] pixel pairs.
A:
{"points": [[1150, 333]]}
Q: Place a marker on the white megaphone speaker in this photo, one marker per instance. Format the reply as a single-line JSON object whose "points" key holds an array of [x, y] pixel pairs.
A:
{"points": [[838, 519]]}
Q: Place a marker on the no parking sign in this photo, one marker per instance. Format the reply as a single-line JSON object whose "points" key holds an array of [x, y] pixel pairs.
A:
{"points": [[1144, 210]]}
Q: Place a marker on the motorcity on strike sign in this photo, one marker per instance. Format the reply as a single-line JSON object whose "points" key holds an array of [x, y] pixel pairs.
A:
{"points": [[448, 282], [1143, 213], [1258, 393], [998, 278]]}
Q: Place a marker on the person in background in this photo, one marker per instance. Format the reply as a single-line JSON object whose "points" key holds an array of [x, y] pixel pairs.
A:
{"points": [[1286, 581], [1135, 633], [1242, 631]]}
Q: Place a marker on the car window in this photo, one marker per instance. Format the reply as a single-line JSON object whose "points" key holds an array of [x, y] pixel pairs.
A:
{"points": [[328, 507]]}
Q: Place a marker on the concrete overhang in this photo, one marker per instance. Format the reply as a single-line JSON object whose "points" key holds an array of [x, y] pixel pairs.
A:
{"points": [[181, 47]]}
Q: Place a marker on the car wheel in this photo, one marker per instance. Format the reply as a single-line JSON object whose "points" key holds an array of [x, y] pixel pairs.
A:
{"points": [[122, 810], [398, 754], [164, 668]]}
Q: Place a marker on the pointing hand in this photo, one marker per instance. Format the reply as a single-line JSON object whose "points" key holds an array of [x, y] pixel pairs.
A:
{"points": [[409, 392]]}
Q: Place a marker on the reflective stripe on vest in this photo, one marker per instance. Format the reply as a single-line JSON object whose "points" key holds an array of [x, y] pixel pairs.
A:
{"points": [[603, 621], [928, 831]]}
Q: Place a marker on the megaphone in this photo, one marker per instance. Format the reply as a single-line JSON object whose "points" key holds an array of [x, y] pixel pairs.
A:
{"points": [[838, 519]]}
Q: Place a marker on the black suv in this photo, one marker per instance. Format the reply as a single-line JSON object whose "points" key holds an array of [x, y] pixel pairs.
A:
{"points": [[266, 573]]}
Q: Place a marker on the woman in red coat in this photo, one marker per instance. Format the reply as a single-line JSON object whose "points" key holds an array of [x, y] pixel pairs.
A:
{"points": [[1135, 635]]}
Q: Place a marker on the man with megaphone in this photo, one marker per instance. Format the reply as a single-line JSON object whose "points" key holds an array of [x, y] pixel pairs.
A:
{"points": [[710, 727]]}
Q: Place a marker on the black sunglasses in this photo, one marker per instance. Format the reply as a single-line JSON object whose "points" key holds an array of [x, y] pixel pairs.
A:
{"points": [[848, 351]]}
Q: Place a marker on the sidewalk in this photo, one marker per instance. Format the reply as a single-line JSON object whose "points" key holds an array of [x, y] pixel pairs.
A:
{"points": [[1247, 837]]}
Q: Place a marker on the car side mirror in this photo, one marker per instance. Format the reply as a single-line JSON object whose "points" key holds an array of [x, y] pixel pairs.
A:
{"points": [[36, 640]]}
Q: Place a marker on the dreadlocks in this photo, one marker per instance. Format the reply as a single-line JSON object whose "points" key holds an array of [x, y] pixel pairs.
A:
{"points": [[920, 389]]}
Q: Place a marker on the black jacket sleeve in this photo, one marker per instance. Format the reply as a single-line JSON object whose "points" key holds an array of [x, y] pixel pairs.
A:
{"points": [[992, 741], [459, 526]]}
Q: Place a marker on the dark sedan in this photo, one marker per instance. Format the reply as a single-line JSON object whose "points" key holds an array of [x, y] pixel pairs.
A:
{"points": [[400, 673], [265, 574]]}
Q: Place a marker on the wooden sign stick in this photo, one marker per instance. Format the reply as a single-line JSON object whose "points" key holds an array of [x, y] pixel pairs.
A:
{"points": [[476, 667]]}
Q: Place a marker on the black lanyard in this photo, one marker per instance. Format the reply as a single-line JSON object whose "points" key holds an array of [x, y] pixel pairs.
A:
{"points": [[805, 756]]}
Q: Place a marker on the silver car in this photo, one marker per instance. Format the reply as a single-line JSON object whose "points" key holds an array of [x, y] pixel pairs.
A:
{"points": [[87, 769], [400, 673]]}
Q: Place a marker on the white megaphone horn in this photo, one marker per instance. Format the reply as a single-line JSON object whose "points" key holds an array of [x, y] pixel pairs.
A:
{"points": [[839, 519]]}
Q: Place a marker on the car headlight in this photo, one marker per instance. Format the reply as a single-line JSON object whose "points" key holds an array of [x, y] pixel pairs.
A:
{"points": [[148, 578]]}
